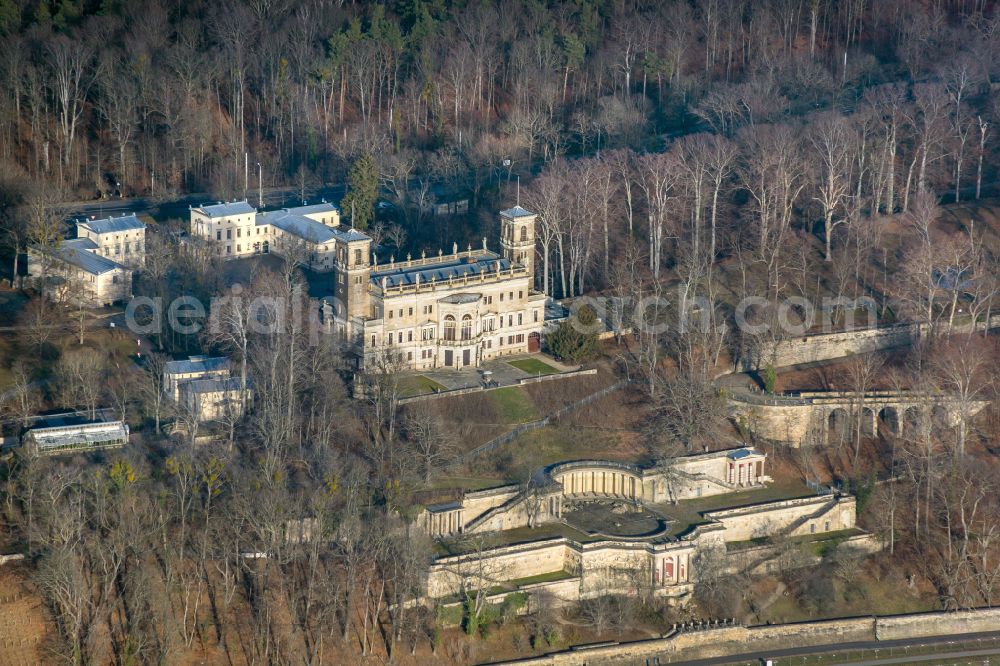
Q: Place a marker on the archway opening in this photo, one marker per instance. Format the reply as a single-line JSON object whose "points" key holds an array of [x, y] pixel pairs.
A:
{"points": [[869, 423], [912, 421], [940, 418], [890, 417], [837, 426]]}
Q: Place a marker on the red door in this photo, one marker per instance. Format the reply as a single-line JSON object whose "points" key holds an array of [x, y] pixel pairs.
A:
{"points": [[534, 342]]}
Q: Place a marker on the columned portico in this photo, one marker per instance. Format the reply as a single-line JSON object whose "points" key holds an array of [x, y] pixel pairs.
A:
{"points": [[745, 467], [444, 519], [603, 483]]}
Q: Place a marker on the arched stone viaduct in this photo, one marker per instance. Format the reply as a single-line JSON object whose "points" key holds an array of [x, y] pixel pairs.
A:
{"points": [[812, 418]]}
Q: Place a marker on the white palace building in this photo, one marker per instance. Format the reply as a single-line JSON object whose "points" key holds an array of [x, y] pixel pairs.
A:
{"points": [[447, 311]]}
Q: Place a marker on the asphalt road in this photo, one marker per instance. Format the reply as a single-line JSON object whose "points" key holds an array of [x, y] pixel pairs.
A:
{"points": [[937, 658], [889, 651]]}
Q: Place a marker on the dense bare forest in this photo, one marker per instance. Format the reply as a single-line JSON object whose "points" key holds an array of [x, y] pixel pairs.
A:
{"points": [[704, 152], [161, 98]]}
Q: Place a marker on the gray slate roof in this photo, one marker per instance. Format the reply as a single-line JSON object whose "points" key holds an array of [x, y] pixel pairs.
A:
{"points": [[196, 364], [516, 212], [313, 209], [112, 224], [456, 299], [213, 385], [303, 227], [80, 243], [307, 229], [739, 454], [226, 209], [351, 234], [485, 262], [443, 506], [86, 261]]}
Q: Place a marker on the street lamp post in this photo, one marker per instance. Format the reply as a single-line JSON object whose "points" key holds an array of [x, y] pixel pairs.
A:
{"points": [[260, 186]]}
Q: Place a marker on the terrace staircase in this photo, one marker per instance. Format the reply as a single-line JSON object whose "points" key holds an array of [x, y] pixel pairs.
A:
{"points": [[498, 509], [791, 527], [701, 476], [802, 520]]}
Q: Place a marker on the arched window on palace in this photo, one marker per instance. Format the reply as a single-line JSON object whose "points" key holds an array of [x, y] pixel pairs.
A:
{"points": [[467, 327], [524, 234], [449, 328]]}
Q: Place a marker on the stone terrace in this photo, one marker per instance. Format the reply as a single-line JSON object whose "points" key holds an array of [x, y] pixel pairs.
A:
{"points": [[687, 514]]}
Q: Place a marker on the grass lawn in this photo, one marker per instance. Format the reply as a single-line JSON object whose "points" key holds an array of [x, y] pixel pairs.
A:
{"points": [[467, 483], [533, 366], [556, 443], [513, 405], [417, 385]]}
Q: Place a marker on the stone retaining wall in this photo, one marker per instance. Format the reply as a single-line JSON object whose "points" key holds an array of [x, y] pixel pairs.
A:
{"points": [[937, 624], [827, 346], [553, 594], [497, 564]]}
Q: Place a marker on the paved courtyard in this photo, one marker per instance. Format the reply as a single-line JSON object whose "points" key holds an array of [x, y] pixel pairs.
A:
{"points": [[613, 518]]}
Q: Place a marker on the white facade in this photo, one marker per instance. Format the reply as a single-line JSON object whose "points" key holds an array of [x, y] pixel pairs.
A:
{"points": [[450, 311], [214, 399], [121, 239], [236, 229], [658, 560], [176, 373], [228, 227], [203, 385], [73, 272]]}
